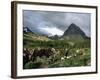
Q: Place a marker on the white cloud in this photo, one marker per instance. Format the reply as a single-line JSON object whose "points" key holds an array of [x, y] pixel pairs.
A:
{"points": [[52, 30]]}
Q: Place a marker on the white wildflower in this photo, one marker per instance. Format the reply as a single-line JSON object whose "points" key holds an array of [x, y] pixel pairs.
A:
{"points": [[69, 57], [77, 51], [66, 49], [62, 58]]}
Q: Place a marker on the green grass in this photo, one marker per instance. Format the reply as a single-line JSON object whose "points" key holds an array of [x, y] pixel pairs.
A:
{"points": [[58, 58]]}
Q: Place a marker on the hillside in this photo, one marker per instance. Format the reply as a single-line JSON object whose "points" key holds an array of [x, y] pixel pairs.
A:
{"points": [[35, 37]]}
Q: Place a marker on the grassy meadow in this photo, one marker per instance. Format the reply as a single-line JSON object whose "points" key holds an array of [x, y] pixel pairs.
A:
{"points": [[42, 52]]}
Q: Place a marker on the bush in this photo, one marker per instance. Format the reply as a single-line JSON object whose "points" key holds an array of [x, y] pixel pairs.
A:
{"points": [[32, 65]]}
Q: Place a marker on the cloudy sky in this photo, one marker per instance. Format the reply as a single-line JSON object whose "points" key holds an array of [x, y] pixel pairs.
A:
{"points": [[55, 23]]}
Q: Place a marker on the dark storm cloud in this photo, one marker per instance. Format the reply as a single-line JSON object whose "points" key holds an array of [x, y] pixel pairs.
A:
{"points": [[61, 20]]}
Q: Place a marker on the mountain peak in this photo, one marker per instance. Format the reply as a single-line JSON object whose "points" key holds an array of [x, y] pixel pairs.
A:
{"points": [[55, 37], [26, 29], [73, 29], [73, 24]]}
